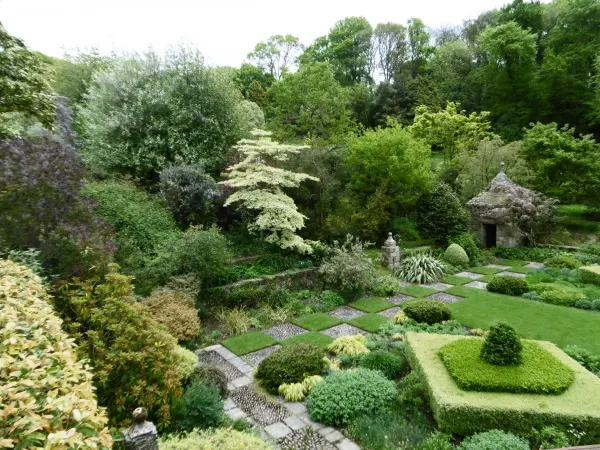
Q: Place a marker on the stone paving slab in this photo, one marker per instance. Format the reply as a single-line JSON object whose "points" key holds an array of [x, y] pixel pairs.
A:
{"points": [[445, 298], [471, 275], [512, 274], [477, 285], [535, 265], [343, 330], [278, 430], [390, 313], [399, 299], [214, 358], [436, 286], [255, 358], [295, 423], [284, 331], [497, 266], [346, 313]]}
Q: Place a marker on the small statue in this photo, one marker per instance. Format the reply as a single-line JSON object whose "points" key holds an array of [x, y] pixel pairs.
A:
{"points": [[390, 253], [141, 435]]}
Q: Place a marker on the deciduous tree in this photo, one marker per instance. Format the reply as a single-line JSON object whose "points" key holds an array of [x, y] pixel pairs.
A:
{"points": [[277, 55]]}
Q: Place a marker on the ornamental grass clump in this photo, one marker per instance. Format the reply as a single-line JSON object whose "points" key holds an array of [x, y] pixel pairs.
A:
{"points": [[502, 346], [48, 399], [349, 345], [421, 269]]}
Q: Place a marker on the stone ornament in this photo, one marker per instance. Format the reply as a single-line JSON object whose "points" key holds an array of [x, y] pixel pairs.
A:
{"points": [[390, 253], [142, 434]]}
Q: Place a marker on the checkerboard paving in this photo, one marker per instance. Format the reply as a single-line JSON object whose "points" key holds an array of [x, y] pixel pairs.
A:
{"points": [[255, 358], [284, 331], [437, 286], [477, 285], [346, 313], [390, 313], [471, 275], [343, 330], [512, 274], [399, 299], [445, 298]]}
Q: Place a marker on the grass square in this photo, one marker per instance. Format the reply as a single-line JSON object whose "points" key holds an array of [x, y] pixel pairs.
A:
{"points": [[248, 343], [539, 373], [453, 279], [510, 262], [466, 412], [369, 322], [416, 291], [372, 305], [317, 321], [484, 270], [319, 339], [518, 269]]}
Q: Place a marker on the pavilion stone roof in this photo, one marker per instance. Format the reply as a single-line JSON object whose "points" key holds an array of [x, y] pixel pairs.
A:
{"points": [[499, 193]]}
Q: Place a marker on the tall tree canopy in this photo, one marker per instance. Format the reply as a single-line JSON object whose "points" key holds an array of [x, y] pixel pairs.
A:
{"points": [[277, 55]]}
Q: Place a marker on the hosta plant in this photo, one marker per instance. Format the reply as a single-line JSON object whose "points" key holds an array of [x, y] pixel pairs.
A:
{"points": [[421, 269]]}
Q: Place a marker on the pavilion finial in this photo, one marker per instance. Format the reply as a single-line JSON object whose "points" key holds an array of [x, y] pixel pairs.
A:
{"points": [[502, 167]]}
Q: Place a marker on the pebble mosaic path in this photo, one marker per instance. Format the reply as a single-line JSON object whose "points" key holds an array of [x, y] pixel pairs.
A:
{"points": [[287, 424]]}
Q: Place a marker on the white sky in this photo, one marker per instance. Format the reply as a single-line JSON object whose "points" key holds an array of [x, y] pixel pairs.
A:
{"points": [[224, 30]]}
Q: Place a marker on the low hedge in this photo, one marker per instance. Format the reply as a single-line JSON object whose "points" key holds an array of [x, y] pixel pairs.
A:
{"points": [[226, 438], [48, 399], [426, 310], [539, 373], [508, 285], [456, 255], [290, 364], [590, 274], [467, 412]]}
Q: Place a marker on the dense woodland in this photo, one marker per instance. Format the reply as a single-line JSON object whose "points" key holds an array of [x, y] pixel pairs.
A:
{"points": [[126, 176]]}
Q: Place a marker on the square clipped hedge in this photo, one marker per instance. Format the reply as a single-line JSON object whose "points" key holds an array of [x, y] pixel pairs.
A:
{"points": [[540, 372], [590, 274], [467, 412]]}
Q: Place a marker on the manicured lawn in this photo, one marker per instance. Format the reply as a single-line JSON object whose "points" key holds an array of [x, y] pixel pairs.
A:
{"points": [[484, 270], [521, 269], [372, 305], [317, 321], [314, 338], [369, 322], [511, 262], [249, 342], [417, 291], [531, 319], [466, 412], [453, 279]]}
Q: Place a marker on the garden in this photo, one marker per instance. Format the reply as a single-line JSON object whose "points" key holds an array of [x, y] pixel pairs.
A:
{"points": [[298, 255]]}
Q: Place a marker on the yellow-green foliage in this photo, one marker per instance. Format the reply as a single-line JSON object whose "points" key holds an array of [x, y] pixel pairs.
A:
{"points": [[293, 392], [177, 311], [349, 345], [258, 186], [309, 382], [46, 395], [186, 361], [590, 274], [400, 318], [222, 438], [333, 364]]}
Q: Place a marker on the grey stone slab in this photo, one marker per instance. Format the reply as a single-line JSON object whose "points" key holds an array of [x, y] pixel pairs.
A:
{"points": [[255, 358], [336, 436], [445, 298], [225, 353], [326, 430], [437, 286], [213, 358], [404, 284], [390, 313], [236, 362], [241, 382], [295, 422], [295, 407], [307, 419], [399, 299], [346, 313], [343, 330], [236, 414], [535, 265], [245, 369], [347, 444], [284, 331], [260, 408], [211, 347], [477, 285], [471, 275], [278, 430], [497, 266], [228, 404], [512, 274]]}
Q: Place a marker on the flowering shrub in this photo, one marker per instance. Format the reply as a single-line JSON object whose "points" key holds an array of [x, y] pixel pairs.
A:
{"points": [[47, 394], [348, 267]]}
